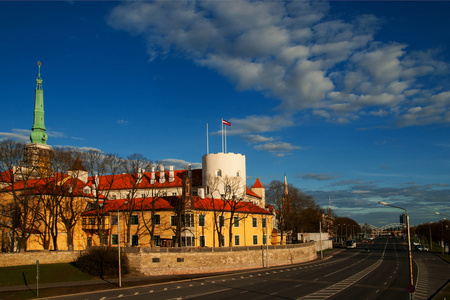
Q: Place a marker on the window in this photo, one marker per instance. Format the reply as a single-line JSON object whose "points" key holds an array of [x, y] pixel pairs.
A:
{"points": [[201, 220], [222, 240], [228, 189], [91, 221], [264, 221], [255, 222], [187, 241], [84, 221], [114, 220], [113, 197], [202, 241], [114, 239], [157, 219], [221, 221], [157, 240], [264, 239], [174, 193], [255, 240], [89, 241], [236, 221], [105, 240], [236, 240], [173, 220], [219, 173], [134, 220], [134, 240], [238, 174], [187, 220]]}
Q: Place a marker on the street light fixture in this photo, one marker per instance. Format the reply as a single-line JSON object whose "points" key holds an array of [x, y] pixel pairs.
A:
{"points": [[411, 279], [442, 241], [438, 213]]}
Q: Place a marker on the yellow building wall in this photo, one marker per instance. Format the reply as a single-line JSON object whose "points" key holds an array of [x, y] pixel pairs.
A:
{"points": [[246, 230]]}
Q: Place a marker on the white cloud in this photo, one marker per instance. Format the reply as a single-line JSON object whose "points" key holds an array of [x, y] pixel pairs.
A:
{"points": [[277, 147], [180, 164], [258, 124], [14, 136], [295, 52], [255, 138]]}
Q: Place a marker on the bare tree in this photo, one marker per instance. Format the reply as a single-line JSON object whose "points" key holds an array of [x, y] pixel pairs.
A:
{"points": [[299, 214], [17, 187], [180, 206], [232, 199], [134, 166], [102, 168]]}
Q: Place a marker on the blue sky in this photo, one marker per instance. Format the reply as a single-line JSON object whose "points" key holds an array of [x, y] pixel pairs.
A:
{"points": [[349, 99]]}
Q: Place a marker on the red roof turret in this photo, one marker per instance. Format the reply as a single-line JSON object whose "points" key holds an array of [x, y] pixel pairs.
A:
{"points": [[257, 184]]}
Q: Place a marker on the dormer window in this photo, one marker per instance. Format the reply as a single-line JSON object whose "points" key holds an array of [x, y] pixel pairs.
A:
{"points": [[219, 173], [238, 174]]}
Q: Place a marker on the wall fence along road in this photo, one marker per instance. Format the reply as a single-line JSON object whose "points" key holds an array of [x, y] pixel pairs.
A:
{"points": [[170, 261]]}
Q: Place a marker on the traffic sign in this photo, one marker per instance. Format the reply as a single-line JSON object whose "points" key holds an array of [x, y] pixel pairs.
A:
{"points": [[411, 288]]}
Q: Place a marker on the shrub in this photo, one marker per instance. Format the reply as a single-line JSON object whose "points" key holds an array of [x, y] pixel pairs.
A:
{"points": [[102, 261]]}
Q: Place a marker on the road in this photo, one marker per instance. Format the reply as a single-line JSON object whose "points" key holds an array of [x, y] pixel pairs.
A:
{"points": [[382, 273]]}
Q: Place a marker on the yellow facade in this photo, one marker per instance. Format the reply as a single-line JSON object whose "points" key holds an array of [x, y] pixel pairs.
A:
{"points": [[199, 230]]}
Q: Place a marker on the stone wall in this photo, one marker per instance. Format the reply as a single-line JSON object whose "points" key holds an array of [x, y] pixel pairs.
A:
{"points": [[170, 263], [44, 257]]}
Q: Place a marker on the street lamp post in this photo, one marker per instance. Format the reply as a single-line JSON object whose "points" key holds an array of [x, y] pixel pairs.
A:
{"points": [[118, 246], [442, 242], [411, 279]]}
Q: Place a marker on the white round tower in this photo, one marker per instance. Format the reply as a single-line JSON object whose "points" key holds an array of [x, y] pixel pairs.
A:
{"points": [[224, 174]]}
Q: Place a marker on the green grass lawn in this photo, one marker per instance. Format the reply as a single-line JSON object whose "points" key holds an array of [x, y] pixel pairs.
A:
{"points": [[21, 275]]}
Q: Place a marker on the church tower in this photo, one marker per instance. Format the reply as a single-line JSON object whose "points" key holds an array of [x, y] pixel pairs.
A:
{"points": [[286, 200], [38, 151], [38, 134]]}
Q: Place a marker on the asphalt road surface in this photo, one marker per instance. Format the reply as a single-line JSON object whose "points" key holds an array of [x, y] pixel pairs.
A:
{"points": [[381, 273]]}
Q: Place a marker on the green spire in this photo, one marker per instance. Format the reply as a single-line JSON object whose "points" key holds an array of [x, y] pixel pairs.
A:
{"points": [[38, 135]]}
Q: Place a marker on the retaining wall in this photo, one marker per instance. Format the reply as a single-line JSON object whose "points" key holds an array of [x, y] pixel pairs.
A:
{"points": [[44, 257], [170, 261]]}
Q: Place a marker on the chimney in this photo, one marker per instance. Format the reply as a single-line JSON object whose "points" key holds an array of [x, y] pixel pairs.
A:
{"points": [[162, 176], [201, 193], [95, 185], [189, 170], [139, 175], [152, 179], [171, 174]]}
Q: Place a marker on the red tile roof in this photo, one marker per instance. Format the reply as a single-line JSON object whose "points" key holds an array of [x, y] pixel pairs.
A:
{"points": [[167, 203], [61, 183], [127, 181], [252, 193]]}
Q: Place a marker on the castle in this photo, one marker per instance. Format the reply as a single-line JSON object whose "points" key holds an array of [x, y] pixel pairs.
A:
{"points": [[72, 208]]}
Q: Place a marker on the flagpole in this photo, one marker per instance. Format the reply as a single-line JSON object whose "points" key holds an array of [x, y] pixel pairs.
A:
{"points": [[207, 139], [222, 136], [225, 140]]}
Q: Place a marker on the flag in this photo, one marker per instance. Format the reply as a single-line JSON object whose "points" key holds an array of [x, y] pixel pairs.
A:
{"points": [[226, 122]]}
